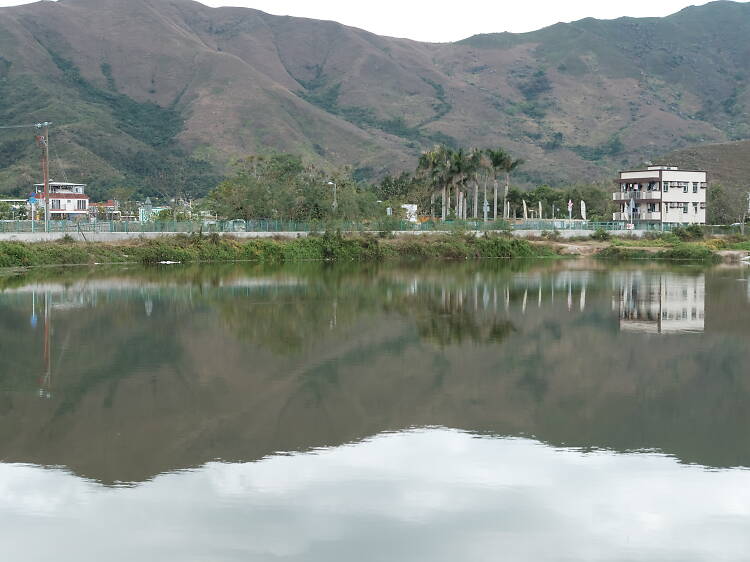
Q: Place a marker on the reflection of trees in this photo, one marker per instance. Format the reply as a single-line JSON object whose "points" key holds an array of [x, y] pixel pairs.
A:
{"points": [[287, 320], [445, 321]]}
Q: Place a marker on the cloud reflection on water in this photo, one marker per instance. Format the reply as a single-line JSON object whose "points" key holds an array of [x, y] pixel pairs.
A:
{"points": [[431, 494]]}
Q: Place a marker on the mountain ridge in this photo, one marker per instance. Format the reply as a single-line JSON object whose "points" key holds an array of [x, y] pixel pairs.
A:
{"points": [[575, 100]]}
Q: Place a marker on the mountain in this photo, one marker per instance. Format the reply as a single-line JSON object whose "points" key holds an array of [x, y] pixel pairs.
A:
{"points": [[157, 92], [729, 162]]}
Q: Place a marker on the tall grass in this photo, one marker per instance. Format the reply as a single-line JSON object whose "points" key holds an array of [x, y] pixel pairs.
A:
{"points": [[331, 246]]}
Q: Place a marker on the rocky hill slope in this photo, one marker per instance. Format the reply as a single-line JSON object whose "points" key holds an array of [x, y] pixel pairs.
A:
{"points": [[153, 92]]}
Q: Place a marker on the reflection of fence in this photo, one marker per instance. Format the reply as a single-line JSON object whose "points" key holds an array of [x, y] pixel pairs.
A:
{"points": [[344, 226]]}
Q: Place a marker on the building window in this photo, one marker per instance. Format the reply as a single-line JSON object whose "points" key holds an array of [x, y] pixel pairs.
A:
{"points": [[685, 208], [56, 204], [695, 187], [685, 187], [81, 204], [665, 185], [695, 207]]}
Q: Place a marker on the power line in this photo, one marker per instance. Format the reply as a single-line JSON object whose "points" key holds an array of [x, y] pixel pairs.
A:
{"points": [[18, 126]]}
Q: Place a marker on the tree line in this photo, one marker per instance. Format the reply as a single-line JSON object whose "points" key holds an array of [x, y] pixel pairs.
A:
{"points": [[284, 187], [446, 184], [452, 173]]}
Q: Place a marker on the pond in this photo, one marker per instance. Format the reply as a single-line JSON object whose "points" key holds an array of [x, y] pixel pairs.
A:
{"points": [[493, 410]]}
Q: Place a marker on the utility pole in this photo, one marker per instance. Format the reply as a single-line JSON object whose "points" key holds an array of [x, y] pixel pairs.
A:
{"points": [[43, 141], [335, 196]]}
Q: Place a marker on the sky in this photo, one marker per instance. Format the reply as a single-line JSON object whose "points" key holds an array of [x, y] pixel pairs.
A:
{"points": [[441, 20]]}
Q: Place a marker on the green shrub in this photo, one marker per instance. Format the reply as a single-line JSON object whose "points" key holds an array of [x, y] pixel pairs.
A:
{"points": [[14, 254], [690, 232], [601, 234], [698, 252]]}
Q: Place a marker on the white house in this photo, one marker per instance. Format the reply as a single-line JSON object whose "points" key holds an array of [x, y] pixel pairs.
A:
{"points": [[68, 201], [147, 212], [662, 195]]}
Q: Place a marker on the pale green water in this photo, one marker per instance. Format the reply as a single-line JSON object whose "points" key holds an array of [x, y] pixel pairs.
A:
{"points": [[474, 411]]}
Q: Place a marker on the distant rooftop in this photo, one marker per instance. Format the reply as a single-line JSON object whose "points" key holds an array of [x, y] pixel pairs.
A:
{"points": [[61, 184], [672, 168]]}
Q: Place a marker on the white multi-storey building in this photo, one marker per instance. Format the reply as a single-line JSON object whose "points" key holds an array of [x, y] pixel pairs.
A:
{"points": [[662, 195], [67, 200]]}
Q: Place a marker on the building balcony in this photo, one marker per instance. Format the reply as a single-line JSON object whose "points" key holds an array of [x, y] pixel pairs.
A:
{"points": [[637, 195], [636, 217], [650, 216]]}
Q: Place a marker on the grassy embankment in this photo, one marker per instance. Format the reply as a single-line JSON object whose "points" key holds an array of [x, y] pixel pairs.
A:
{"points": [[334, 247], [330, 247], [691, 245]]}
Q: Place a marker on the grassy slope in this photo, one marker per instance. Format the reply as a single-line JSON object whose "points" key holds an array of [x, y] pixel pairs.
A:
{"points": [[729, 162], [213, 248]]}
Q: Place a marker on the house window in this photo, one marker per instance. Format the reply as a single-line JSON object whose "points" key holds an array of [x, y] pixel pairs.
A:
{"points": [[81, 204], [56, 204]]}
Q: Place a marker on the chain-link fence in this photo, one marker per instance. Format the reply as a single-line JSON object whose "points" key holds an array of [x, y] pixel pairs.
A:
{"points": [[387, 224]]}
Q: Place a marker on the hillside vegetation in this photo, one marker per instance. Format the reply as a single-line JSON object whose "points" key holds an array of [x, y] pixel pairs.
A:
{"points": [[150, 93]]}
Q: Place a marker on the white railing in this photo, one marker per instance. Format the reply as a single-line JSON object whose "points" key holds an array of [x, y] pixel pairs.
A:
{"points": [[637, 195], [637, 217]]}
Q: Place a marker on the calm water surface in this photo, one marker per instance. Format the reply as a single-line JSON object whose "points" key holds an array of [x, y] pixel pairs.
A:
{"points": [[482, 411]]}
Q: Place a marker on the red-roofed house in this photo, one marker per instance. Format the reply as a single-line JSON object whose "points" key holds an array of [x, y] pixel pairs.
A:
{"points": [[108, 210], [67, 200]]}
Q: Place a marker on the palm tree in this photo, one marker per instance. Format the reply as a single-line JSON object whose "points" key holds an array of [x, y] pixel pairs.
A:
{"points": [[459, 169], [509, 164], [497, 159], [427, 169], [474, 165], [435, 165]]}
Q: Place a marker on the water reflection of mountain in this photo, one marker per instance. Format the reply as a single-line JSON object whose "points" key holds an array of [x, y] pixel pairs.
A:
{"points": [[301, 358]]}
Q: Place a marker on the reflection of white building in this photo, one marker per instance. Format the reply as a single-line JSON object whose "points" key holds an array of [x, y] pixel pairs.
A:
{"points": [[662, 304]]}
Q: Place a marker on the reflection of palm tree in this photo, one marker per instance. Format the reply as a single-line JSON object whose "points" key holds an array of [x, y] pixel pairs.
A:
{"points": [[448, 322]]}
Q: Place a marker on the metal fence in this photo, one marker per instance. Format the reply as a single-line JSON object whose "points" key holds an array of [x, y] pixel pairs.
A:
{"points": [[237, 226]]}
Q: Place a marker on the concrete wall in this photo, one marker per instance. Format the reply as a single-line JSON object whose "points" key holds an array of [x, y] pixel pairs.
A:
{"points": [[114, 237]]}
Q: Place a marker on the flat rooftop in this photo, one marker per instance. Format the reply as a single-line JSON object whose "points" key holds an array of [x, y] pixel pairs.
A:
{"points": [[61, 184]]}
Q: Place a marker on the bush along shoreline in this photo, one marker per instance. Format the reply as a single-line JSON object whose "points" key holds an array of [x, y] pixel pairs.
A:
{"points": [[686, 252], [213, 248]]}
